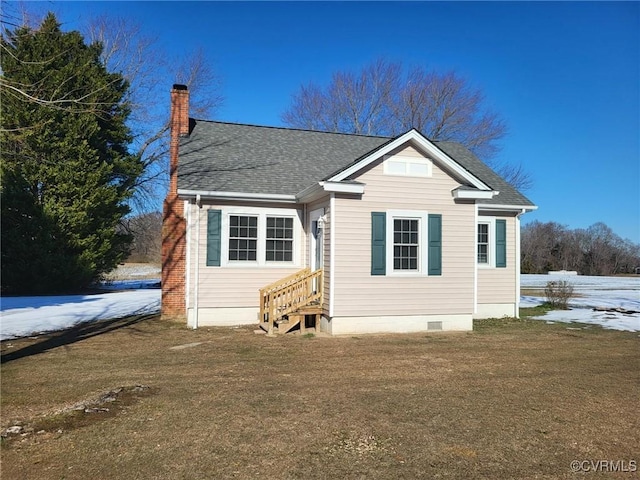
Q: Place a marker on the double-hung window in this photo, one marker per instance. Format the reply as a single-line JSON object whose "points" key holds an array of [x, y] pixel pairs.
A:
{"points": [[279, 239], [243, 238], [483, 243], [406, 244], [491, 242]]}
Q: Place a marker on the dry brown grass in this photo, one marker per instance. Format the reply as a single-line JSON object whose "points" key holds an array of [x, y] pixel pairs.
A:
{"points": [[509, 400]]}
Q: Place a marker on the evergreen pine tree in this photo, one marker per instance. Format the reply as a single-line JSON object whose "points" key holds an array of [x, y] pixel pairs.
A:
{"points": [[66, 172]]}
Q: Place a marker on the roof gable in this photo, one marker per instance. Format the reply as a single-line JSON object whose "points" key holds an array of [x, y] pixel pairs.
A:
{"points": [[422, 143]]}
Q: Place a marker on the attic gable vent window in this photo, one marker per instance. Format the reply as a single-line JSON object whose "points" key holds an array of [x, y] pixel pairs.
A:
{"points": [[407, 166]]}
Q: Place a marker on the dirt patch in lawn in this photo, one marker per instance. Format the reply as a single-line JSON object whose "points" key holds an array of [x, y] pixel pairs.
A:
{"points": [[78, 415], [513, 399]]}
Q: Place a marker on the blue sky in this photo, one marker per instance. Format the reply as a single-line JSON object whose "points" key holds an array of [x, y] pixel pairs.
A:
{"points": [[564, 76]]}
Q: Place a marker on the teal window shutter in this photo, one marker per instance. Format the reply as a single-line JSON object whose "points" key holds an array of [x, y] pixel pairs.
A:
{"points": [[378, 243], [501, 243], [435, 245], [214, 237]]}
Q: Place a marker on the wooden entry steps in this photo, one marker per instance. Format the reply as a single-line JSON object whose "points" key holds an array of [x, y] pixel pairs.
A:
{"points": [[295, 318], [286, 303]]}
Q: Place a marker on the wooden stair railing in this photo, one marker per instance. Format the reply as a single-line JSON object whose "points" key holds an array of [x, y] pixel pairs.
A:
{"points": [[288, 295]]}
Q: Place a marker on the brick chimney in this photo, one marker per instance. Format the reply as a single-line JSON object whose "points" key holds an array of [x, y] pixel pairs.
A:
{"points": [[173, 222], [179, 128]]}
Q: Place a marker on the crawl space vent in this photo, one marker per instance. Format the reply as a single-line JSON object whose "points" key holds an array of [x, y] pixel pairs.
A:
{"points": [[434, 325]]}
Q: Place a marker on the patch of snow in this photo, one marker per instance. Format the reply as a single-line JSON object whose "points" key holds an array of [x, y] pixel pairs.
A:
{"points": [[131, 284], [26, 316], [527, 301], [610, 320], [582, 282], [591, 292]]}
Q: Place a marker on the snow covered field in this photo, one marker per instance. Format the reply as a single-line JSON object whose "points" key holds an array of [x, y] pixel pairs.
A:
{"points": [[591, 292], [24, 316]]}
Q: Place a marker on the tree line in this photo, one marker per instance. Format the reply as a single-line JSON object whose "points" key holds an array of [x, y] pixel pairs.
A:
{"points": [[596, 250]]}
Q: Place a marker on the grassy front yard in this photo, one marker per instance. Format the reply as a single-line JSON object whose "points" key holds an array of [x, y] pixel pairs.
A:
{"points": [[513, 399]]}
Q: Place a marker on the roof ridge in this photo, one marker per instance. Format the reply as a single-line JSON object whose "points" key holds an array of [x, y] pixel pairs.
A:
{"points": [[291, 129]]}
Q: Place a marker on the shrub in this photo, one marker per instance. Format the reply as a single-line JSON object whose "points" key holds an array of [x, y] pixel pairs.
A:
{"points": [[558, 294]]}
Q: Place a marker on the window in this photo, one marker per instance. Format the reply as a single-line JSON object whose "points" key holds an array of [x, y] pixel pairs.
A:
{"points": [[254, 237], [279, 247], [483, 243], [243, 238], [492, 242], [405, 243], [407, 166]]}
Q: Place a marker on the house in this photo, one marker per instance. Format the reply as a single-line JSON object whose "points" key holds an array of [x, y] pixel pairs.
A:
{"points": [[278, 226]]}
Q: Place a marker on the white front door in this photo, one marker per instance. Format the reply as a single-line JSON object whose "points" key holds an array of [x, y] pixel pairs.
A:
{"points": [[316, 236]]}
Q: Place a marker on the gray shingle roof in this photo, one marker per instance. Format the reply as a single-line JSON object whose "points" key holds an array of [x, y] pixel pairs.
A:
{"points": [[229, 157], [250, 159]]}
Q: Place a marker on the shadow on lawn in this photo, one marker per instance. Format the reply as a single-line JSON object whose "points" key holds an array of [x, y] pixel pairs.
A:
{"points": [[74, 334]]}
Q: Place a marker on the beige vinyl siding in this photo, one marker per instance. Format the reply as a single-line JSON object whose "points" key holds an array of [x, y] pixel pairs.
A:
{"points": [[358, 293], [233, 286], [498, 285]]}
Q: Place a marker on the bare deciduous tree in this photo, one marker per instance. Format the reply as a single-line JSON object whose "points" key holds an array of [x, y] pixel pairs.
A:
{"points": [[444, 107], [382, 100], [352, 103], [147, 242], [136, 56]]}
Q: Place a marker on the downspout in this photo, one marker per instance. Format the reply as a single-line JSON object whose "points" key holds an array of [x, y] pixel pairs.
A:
{"points": [[187, 290], [306, 230], [517, 261], [197, 270], [332, 253]]}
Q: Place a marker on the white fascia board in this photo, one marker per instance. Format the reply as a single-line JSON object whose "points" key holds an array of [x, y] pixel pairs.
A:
{"points": [[514, 208], [422, 142], [339, 187], [317, 190], [475, 194], [258, 197]]}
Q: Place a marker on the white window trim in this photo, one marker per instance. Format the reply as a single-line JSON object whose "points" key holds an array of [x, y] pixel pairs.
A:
{"points": [[422, 216], [491, 254], [407, 160], [262, 214]]}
